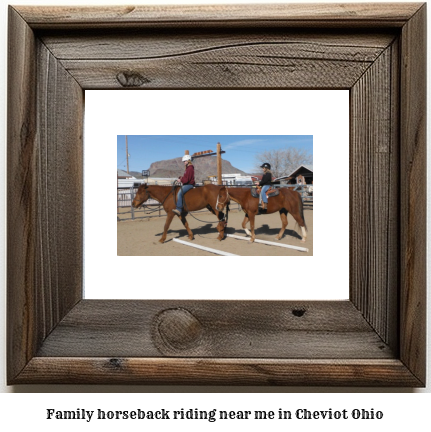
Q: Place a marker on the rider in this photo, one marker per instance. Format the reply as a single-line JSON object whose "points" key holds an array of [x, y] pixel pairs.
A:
{"points": [[265, 183], [188, 182]]}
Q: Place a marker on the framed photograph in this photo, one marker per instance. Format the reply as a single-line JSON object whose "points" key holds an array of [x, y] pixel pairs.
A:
{"points": [[376, 337], [315, 119]]}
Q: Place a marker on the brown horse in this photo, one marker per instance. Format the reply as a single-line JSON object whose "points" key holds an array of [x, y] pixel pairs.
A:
{"points": [[287, 201], [212, 197]]}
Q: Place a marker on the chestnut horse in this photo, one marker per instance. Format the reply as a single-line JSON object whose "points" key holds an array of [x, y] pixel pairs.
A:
{"points": [[287, 201], [213, 197]]}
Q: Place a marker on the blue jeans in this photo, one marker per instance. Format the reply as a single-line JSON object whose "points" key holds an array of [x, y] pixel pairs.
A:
{"points": [[263, 194], [181, 192]]}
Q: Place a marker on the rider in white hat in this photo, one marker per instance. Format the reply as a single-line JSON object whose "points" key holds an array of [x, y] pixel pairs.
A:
{"points": [[188, 182]]}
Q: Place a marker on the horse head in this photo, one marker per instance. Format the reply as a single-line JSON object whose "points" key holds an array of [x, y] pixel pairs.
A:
{"points": [[142, 195], [222, 198]]}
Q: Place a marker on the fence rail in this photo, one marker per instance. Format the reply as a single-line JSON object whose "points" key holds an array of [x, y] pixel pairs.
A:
{"points": [[125, 210], [152, 208], [306, 191]]}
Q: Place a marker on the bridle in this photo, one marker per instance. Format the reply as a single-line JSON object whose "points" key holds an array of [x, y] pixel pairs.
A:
{"points": [[225, 215], [160, 203], [224, 202]]}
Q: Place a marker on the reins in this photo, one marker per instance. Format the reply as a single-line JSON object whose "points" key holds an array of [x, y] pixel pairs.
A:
{"points": [[164, 199], [225, 217]]}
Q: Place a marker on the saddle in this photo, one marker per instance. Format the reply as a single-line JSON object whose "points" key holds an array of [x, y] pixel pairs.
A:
{"points": [[255, 192]]}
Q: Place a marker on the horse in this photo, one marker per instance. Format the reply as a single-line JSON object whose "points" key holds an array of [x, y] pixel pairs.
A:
{"points": [[214, 198], [286, 201]]}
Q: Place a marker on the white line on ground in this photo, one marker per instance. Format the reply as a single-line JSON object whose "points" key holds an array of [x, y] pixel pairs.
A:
{"points": [[214, 251], [269, 243]]}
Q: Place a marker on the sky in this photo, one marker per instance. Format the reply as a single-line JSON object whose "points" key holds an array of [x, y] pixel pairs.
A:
{"points": [[240, 149]]}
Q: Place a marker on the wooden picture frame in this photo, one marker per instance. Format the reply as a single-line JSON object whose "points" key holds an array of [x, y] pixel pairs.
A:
{"points": [[376, 338]]}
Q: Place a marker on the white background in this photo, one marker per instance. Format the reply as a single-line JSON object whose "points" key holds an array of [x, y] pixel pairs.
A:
{"points": [[323, 114], [402, 409]]}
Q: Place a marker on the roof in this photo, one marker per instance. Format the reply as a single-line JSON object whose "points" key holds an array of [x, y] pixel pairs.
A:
{"points": [[292, 174], [121, 173], [308, 167]]}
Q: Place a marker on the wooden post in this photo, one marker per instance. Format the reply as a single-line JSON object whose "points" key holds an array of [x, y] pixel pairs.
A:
{"points": [[127, 155], [186, 152], [219, 176]]}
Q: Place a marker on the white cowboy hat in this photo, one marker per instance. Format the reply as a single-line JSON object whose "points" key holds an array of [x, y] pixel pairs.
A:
{"points": [[187, 158]]}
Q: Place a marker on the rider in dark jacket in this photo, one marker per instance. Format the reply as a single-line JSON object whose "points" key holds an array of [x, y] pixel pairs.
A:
{"points": [[265, 183]]}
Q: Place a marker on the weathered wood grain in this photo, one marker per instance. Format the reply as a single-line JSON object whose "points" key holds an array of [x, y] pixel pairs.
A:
{"points": [[392, 303], [45, 106], [226, 329], [21, 196], [413, 194], [197, 371], [227, 60], [373, 227], [141, 44], [246, 66], [59, 184], [375, 338], [375, 15]]}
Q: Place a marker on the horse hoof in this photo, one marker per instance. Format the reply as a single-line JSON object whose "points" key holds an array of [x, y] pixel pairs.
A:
{"points": [[161, 241], [302, 240]]}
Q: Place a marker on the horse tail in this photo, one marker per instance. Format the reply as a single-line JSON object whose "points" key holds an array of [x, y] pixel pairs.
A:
{"points": [[301, 211], [300, 208]]}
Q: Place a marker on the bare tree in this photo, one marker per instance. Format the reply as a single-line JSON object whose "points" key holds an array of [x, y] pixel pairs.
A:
{"points": [[294, 157], [283, 161], [274, 158]]}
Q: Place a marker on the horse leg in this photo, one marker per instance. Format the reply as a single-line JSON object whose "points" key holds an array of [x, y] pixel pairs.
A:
{"points": [[186, 224], [251, 218], [298, 216], [297, 212], [221, 226], [283, 217], [244, 225], [169, 218], [304, 234], [301, 223]]}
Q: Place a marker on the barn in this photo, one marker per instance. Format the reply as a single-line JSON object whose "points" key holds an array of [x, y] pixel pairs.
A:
{"points": [[301, 175]]}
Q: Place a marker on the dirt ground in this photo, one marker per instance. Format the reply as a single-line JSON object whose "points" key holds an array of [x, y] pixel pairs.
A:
{"points": [[140, 237]]}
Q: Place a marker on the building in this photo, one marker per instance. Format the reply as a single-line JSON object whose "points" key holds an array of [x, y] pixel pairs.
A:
{"points": [[161, 181], [123, 174], [124, 179], [301, 175], [232, 179]]}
